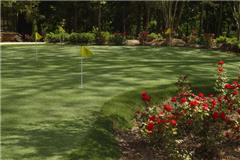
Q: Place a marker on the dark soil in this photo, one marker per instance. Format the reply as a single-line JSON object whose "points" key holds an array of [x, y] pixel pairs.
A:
{"points": [[133, 147]]}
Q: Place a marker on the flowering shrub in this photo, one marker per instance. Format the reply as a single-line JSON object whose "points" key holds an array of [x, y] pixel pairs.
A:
{"points": [[208, 118]]}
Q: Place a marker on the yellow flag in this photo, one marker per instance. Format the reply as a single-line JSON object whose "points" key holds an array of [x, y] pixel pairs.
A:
{"points": [[61, 29], [85, 52], [168, 31], [38, 36]]}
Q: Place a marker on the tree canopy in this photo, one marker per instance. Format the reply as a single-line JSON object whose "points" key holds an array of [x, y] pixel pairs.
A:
{"points": [[218, 17]]}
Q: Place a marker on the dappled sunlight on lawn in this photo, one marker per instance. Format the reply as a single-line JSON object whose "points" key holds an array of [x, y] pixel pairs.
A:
{"points": [[45, 113]]}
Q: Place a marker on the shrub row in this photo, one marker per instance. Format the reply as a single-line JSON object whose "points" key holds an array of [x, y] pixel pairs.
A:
{"points": [[228, 44], [86, 38]]}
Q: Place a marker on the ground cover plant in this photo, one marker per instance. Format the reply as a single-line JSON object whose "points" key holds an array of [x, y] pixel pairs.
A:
{"points": [[45, 114]]}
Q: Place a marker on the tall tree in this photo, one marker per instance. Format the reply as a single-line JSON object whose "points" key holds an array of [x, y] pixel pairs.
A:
{"points": [[236, 15], [172, 12]]}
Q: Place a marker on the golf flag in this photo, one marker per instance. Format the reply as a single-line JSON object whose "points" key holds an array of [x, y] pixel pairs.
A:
{"points": [[38, 36], [168, 31], [85, 52], [61, 29]]}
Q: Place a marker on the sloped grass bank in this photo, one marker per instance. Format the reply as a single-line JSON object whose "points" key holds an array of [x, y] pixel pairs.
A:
{"points": [[117, 114]]}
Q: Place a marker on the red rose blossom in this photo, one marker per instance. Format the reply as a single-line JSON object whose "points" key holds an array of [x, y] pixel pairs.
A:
{"points": [[145, 96], [150, 126], [152, 118], [183, 100], [168, 107], [174, 99], [228, 86], [221, 62], [194, 103], [173, 122], [160, 121], [215, 115], [222, 115], [205, 106], [201, 94], [214, 103], [235, 92]]}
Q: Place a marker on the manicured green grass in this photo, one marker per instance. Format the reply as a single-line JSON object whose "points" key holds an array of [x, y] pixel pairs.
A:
{"points": [[46, 115]]}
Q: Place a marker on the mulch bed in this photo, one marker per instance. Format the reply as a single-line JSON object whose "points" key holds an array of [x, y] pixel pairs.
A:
{"points": [[133, 147]]}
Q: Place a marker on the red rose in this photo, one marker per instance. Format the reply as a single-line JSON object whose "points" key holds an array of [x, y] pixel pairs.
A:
{"points": [[221, 62], [183, 100], [173, 122], [235, 92], [150, 126], [222, 115], [194, 103], [174, 99], [220, 98], [159, 121], [145, 96], [205, 106], [215, 115], [168, 107], [214, 103], [201, 94], [152, 118], [228, 86]]}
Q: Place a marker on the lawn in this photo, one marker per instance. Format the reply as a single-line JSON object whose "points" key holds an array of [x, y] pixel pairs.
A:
{"points": [[46, 115]]}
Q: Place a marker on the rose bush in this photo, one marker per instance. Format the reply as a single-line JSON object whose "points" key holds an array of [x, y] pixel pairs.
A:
{"points": [[208, 119]]}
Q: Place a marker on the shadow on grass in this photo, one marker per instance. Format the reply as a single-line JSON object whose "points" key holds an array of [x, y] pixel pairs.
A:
{"points": [[53, 80], [117, 114], [99, 143]]}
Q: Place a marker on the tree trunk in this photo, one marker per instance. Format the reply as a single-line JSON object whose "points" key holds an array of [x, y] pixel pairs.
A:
{"points": [[139, 19], [99, 16], [75, 17], [201, 20], [219, 30]]}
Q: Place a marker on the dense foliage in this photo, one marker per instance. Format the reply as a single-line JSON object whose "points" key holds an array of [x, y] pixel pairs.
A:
{"points": [[203, 24], [130, 17]]}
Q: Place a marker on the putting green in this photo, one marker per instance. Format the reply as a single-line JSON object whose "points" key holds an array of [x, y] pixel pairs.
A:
{"points": [[45, 113]]}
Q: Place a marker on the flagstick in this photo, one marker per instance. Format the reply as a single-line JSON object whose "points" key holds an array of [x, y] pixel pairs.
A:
{"points": [[36, 50], [81, 73]]}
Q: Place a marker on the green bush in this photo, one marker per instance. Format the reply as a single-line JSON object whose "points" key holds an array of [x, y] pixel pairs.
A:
{"points": [[232, 41], [154, 36], [102, 37], [117, 38], [221, 39], [82, 37], [227, 40], [57, 37]]}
